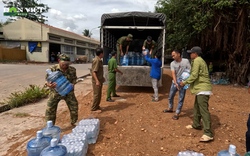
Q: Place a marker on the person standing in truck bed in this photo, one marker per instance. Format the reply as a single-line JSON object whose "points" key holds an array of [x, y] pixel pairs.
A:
{"points": [[149, 44], [122, 46]]}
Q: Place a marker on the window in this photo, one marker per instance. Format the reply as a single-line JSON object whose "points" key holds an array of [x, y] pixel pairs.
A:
{"points": [[81, 51], [81, 43], [55, 38], [68, 41]]}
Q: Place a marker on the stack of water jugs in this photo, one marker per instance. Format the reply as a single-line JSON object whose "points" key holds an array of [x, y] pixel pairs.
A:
{"points": [[132, 58], [47, 141]]}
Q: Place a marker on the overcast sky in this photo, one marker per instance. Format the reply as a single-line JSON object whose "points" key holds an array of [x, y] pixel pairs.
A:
{"points": [[77, 15]]}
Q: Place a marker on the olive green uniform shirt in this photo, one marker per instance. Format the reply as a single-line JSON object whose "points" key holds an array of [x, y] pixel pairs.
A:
{"points": [[149, 46], [97, 66], [122, 41], [112, 65], [199, 78]]}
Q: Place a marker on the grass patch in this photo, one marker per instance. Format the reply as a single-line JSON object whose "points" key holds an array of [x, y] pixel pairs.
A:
{"points": [[21, 115], [31, 94]]}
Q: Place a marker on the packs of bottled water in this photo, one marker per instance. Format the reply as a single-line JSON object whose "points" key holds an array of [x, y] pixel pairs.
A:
{"points": [[52, 131], [189, 153], [89, 126], [54, 149], [36, 145], [76, 144]]}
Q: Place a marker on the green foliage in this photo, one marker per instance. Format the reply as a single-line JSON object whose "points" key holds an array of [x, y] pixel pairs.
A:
{"points": [[86, 33], [188, 19], [31, 94], [21, 4], [21, 115]]}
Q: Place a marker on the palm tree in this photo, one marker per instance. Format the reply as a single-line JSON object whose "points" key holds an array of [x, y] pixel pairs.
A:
{"points": [[87, 33]]}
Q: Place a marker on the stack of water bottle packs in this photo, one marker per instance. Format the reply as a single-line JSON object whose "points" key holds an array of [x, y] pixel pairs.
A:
{"points": [[47, 141]]}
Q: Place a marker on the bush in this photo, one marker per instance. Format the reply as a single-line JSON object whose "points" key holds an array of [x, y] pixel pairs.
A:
{"points": [[31, 94]]}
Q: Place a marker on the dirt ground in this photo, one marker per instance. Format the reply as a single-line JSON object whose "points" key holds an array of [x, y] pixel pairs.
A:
{"points": [[135, 126]]}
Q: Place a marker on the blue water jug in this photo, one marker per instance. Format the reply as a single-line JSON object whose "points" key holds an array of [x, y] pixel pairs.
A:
{"points": [[230, 152], [137, 59], [63, 86], [133, 59], [54, 149], [185, 75], [36, 145], [52, 131], [110, 56], [125, 60]]}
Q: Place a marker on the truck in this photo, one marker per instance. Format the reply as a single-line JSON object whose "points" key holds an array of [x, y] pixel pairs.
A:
{"points": [[140, 25]]}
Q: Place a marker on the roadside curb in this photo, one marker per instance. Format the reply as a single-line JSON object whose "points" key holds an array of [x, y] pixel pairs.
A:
{"points": [[6, 107]]}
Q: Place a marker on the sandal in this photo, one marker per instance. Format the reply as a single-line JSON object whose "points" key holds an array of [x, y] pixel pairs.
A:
{"points": [[168, 111], [191, 127], [206, 138], [175, 117]]}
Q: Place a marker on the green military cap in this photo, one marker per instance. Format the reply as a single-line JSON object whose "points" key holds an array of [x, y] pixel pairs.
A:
{"points": [[64, 57], [130, 36]]}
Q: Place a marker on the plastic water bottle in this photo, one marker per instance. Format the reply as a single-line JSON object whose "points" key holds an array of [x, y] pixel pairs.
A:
{"points": [[63, 86], [52, 131], [54, 149], [91, 127], [110, 56], [76, 144], [137, 59], [133, 58], [189, 153], [185, 75], [36, 145], [125, 60], [230, 152]]}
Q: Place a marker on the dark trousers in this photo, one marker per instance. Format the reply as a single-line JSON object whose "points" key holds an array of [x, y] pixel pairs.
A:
{"points": [[97, 95], [248, 135], [201, 112]]}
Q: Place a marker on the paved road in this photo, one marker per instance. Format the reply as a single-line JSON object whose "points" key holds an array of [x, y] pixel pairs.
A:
{"points": [[15, 77]]}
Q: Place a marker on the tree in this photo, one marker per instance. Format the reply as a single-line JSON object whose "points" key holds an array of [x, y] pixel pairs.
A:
{"points": [[87, 33], [220, 27], [24, 5], [4, 23]]}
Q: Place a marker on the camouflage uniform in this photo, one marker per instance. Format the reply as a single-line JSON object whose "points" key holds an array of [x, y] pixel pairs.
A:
{"points": [[70, 98]]}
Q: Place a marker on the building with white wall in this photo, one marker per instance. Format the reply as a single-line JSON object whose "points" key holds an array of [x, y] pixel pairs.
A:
{"points": [[40, 40]]}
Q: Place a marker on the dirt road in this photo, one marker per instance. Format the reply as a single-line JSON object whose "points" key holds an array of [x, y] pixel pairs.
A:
{"points": [[135, 126]]}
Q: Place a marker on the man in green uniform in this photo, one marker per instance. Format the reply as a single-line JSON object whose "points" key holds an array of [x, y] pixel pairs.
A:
{"points": [[150, 45], [112, 69], [70, 73], [122, 46], [200, 85], [97, 80]]}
